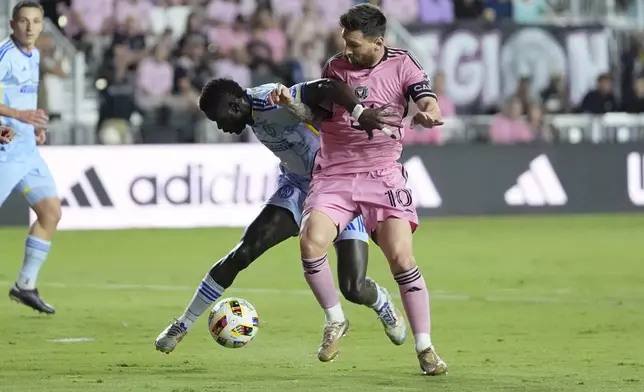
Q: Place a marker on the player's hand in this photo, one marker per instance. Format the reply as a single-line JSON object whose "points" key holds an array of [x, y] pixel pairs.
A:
{"points": [[41, 136], [379, 118], [37, 118], [6, 134], [429, 118], [281, 96]]}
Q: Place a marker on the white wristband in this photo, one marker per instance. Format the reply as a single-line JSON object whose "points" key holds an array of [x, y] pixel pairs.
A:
{"points": [[357, 111]]}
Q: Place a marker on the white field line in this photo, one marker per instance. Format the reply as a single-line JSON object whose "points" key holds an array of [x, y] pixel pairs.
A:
{"points": [[435, 294]]}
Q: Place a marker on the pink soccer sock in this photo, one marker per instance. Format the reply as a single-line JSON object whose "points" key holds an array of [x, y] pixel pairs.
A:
{"points": [[320, 279], [415, 299]]}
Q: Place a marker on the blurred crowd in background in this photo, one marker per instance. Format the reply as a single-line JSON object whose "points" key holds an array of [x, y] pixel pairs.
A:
{"points": [[152, 57]]}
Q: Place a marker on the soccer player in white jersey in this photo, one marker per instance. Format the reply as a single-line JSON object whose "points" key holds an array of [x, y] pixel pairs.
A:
{"points": [[22, 169], [295, 144]]}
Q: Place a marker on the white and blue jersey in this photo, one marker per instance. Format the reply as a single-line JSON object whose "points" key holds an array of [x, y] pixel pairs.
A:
{"points": [[295, 144], [23, 170]]}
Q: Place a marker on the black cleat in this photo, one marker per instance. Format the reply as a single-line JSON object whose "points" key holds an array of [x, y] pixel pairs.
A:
{"points": [[30, 298]]}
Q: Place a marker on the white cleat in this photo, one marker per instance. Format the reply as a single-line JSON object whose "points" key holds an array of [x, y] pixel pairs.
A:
{"points": [[170, 337], [392, 319]]}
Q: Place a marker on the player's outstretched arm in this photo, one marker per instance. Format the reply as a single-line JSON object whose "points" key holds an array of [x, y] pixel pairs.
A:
{"points": [[429, 114], [317, 92], [37, 118]]}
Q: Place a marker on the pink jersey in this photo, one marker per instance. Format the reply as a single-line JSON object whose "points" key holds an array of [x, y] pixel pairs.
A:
{"points": [[344, 148]]}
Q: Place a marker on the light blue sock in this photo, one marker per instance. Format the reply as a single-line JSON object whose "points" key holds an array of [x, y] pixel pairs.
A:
{"points": [[207, 293], [36, 251]]}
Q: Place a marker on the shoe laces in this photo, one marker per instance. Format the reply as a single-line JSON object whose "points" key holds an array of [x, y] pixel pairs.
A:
{"points": [[176, 329], [330, 331], [387, 314]]}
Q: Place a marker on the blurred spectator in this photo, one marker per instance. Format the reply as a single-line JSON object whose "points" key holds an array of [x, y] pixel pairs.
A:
{"points": [[601, 100], [448, 109], [139, 10], [330, 11], [55, 67], [169, 15], [310, 62], [266, 30], [403, 11], [509, 127], [306, 30], [234, 67], [191, 72], [634, 100], [116, 98], [226, 11], [194, 27], [555, 96], [90, 18], [133, 38], [632, 62], [529, 11], [436, 11], [525, 94], [468, 9], [154, 80], [228, 37], [540, 128], [495, 10], [289, 10]]}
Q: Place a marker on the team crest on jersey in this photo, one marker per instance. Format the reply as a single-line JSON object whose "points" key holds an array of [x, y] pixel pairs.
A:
{"points": [[286, 191], [362, 92]]}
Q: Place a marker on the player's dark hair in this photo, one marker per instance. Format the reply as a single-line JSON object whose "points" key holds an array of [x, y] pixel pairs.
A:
{"points": [[25, 4], [366, 18], [217, 91]]}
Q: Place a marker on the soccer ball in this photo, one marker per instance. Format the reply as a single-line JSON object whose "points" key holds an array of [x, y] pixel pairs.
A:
{"points": [[233, 322]]}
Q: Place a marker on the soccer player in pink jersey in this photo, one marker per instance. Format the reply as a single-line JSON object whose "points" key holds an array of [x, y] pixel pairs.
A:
{"points": [[356, 175]]}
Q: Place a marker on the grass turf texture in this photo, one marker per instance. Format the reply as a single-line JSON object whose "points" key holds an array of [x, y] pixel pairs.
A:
{"points": [[519, 304]]}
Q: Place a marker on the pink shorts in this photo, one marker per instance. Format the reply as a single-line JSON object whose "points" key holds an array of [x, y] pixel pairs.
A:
{"points": [[375, 195]]}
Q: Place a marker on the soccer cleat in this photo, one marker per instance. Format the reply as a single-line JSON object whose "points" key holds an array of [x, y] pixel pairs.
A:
{"points": [[330, 346], [392, 319], [170, 337], [30, 298], [430, 362]]}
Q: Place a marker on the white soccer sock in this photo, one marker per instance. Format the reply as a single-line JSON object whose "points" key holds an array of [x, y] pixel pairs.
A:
{"points": [[207, 293], [334, 314], [381, 300], [36, 251], [423, 341]]}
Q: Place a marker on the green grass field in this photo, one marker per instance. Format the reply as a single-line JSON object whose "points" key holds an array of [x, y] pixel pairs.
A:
{"points": [[519, 304]]}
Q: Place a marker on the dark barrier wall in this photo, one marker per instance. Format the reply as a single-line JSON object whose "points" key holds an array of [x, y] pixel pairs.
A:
{"points": [[14, 212], [476, 180], [216, 185]]}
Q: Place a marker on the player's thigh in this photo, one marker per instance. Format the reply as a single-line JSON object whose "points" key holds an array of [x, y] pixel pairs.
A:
{"points": [[10, 176], [39, 185], [384, 194], [328, 208], [272, 226]]}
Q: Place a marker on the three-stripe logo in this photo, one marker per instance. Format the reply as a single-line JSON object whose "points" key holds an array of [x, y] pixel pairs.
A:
{"points": [[538, 186], [80, 197]]}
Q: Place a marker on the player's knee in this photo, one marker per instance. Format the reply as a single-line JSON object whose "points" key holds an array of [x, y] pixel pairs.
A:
{"points": [[401, 261], [48, 212], [352, 290], [314, 238]]}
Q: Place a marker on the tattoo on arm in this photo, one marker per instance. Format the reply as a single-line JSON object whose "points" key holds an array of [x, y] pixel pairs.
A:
{"points": [[302, 111]]}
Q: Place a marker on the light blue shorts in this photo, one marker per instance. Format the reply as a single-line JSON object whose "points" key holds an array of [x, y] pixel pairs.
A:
{"points": [[290, 194], [31, 178]]}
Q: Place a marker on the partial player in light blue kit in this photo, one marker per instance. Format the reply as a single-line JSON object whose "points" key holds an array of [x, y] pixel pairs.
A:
{"points": [[295, 144], [22, 168]]}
